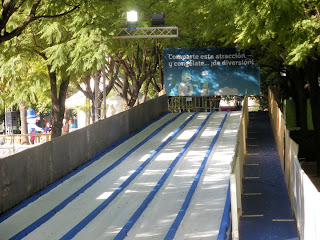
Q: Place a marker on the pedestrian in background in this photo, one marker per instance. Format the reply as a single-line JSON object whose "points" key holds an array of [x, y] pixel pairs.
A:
{"points": [[65, 127], [47, 129], [32, 137]]}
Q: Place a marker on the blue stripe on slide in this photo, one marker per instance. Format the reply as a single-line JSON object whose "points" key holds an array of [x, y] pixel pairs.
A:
{"points": [[123, 233], [174, 227], [106, 202], [226, 220], [91, 160], [64, 203]]}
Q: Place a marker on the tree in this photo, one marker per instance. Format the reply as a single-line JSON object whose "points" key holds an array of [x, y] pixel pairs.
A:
{"points": [[285, 31], [138, 60], [69, 46], [138, 66], [111, 67], [17, 15], [141, 60], [25, 85], [72, 39]]}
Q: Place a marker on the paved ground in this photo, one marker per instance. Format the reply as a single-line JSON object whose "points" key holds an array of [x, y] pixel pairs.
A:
{"points": [[7, 150], [266, 206], [163, 181]]}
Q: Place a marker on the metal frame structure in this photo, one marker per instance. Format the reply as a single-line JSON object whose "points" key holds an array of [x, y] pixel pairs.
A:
{"points": [[148, 32]]}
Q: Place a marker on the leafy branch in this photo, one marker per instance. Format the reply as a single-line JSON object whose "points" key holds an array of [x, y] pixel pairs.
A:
{"points": [[10, 7]]}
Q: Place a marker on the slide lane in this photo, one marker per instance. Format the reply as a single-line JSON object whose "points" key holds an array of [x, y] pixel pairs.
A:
{"points": [[203, 217], [157, 219], [28, 215]]}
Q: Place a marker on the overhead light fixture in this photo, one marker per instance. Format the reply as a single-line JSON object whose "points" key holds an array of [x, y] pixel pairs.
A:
{"points": [[132, 16], [283, 72], [157, 19]]}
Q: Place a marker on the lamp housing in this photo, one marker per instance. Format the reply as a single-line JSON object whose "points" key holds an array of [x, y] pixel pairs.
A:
{"points": [[158, 19]]}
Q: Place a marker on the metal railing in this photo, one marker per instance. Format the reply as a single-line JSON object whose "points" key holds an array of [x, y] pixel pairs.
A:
{"points": [[202, 104], [193, 104], [17, 138]]}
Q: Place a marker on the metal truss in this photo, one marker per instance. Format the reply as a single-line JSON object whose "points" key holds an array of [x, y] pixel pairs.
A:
{"points": [[148, 32]]}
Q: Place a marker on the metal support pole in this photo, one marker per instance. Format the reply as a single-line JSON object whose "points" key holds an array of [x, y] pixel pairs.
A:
{"points": [[5, 121], [103, 69], [96, 100]]}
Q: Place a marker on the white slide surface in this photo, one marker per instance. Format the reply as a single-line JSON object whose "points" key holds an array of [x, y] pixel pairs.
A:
{"points": [[202, 218]]}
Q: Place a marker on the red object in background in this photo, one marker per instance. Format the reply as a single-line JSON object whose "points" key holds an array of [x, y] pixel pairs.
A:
{"points": [[226, 108]]}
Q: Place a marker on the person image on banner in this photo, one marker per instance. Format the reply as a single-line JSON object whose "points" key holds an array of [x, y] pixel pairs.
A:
{"points": [[185, 87], [205, 89]]}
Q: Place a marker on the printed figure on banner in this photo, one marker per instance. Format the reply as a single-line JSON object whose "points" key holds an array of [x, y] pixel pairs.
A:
{"points": [[185, 87]]}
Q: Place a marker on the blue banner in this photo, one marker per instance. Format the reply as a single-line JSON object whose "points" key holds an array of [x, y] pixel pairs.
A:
{"points": [[210, 72]]}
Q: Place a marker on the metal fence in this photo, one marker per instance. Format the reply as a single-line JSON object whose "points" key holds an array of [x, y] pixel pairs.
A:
{"points": [[17, 138], [202, 104], [304, 196]]}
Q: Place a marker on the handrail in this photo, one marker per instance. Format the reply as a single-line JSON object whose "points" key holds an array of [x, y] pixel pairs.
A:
{"points": [[237, 171], [304, 196]]}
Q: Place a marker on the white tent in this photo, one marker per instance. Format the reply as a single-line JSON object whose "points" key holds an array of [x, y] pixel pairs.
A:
{"points": [[76, 100], [114, 105]]}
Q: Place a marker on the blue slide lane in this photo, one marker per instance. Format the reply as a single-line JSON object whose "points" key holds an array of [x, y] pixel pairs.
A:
{"points": [[64, 203], [175, 225], [226, 218], [91, 160], [134, 218], [105, 203]]}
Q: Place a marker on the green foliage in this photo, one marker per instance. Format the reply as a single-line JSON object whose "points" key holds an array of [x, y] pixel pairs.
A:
{"points": [[290, 28], [24, 80], [278, 32]]}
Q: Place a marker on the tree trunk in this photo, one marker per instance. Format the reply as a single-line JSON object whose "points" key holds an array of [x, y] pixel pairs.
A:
{"points": [[89, 94], [138, 68], [145, 93], [113, 70], [58, 98], [24, 124], [301, 102], [88, 112], [160, 65], [58, 102], [93, 116], [134, 97]]}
